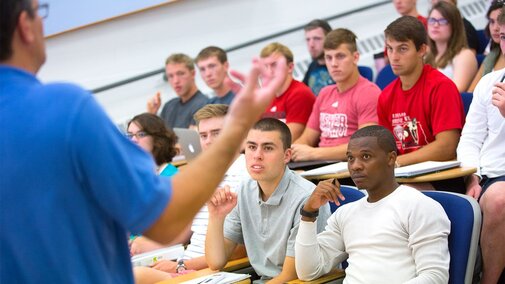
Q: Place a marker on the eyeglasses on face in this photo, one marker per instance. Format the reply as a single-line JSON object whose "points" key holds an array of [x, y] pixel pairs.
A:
{"points": [[42, 10], [138, 135], [441, 21]]}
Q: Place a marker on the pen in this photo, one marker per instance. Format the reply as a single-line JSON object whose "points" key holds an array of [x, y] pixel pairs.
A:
{"points": [[502, 78]]}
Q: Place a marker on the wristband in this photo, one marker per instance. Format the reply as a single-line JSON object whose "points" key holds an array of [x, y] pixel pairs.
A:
{"points": [[309, 214]]}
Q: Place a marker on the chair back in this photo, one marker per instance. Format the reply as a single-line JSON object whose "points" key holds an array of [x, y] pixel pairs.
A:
{"points": [[465, 216], [467, 100], [351, 194], [385, 77], [366, 72]]}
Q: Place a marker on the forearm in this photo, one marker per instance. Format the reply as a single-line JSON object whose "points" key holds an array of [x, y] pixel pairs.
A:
{"points": [[215, 245], [309, 260], [188, 193], [288, 272], [330, 153], [196, 263]]}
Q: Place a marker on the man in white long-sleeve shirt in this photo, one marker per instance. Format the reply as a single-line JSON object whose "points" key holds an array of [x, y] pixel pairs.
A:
{"points": [[395, 235], [482, 146]]}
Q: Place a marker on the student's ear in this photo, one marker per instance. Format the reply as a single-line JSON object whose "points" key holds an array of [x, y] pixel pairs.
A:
{"points": [[287, 155], [226, 66], [392, 158], [355, 57], [291, 67], [25, 27], [193, 72], [423, 50]]}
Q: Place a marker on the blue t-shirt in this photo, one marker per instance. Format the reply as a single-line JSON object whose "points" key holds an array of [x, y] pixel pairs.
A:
{"points": [[71, 186], [317, 77], [226, 99]]}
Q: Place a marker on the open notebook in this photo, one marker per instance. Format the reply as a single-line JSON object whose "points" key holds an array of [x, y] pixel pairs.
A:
{"points": [[220, 277], [335, 168], [424, 168]]}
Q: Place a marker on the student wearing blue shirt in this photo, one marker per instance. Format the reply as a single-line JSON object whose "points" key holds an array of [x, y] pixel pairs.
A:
{"points": [[71, 185]]}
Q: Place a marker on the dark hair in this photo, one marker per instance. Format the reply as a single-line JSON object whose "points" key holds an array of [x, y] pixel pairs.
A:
{"points": [[318, 23], [340, 36], [457, 40], [407, 28], [164, 139], [385, 138], [495, 5], [273, 124], [9, 15], [212, 51]]}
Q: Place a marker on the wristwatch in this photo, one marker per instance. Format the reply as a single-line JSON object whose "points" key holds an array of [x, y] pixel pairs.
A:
{"points": [[180, 266], [309, 214]]}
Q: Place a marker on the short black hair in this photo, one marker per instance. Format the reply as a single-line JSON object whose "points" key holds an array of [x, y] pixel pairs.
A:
{"points": [[9, 14], [385, 138], [273, 124], [407, 28], [318, 23]]}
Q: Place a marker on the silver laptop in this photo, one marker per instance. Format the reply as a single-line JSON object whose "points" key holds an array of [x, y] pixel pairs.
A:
{"points": [[189, 140]]}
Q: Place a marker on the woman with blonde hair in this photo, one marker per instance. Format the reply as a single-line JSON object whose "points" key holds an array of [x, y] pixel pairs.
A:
{"points": [[448, 51]]}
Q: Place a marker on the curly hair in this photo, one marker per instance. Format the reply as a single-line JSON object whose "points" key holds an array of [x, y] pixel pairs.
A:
{"points": [[164, 139]]}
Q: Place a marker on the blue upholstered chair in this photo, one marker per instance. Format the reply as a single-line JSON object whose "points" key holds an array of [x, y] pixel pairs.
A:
{"points": [[385, 77], [467, 100], [483, 41], [465, 216], [366, 72], [351, 194]]}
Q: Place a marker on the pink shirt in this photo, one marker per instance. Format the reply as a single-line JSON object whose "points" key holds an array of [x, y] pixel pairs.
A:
{"points": [[338, 115]]}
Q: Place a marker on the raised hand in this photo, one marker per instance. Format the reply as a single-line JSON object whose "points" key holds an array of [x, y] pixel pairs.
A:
{"points": [[222, 202], [327, 190], [252, 100], [153, 105]]}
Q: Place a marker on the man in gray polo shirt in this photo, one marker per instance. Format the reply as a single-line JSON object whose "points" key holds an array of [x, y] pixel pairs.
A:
{"points": [[264, 213]]}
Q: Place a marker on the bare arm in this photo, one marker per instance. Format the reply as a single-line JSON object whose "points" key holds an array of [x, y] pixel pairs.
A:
{"points": [[296, 130], [309, 137], [288, 271], [189, 193], [218, 249], [442, 149], [476, 79], [310, 152], [465, 67]]}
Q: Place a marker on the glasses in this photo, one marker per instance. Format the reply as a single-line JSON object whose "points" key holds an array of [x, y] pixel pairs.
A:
{"points": [[138, 135], [43, 10], [441, 21]]}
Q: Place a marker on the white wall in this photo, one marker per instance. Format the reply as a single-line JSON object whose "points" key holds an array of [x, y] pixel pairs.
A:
{"points": [[122, 48]]}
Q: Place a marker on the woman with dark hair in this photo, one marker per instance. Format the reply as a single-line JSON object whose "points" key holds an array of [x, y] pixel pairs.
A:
{"points": [[149, 132], [448, 51], [494, 59]]}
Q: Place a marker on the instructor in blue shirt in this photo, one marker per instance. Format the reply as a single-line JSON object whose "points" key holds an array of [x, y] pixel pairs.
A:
{"points": [[71, 185]]}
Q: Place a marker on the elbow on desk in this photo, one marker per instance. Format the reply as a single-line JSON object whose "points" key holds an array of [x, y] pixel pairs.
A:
{"points": [[215, 265]]}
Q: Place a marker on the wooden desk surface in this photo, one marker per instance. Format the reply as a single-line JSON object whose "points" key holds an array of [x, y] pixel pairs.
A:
{"points": [[332, 276], [440, 175]]}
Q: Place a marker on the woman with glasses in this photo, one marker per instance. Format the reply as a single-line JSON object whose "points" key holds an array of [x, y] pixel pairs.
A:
{"points": [[149, 132], [494, 59], [448, 51]]}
